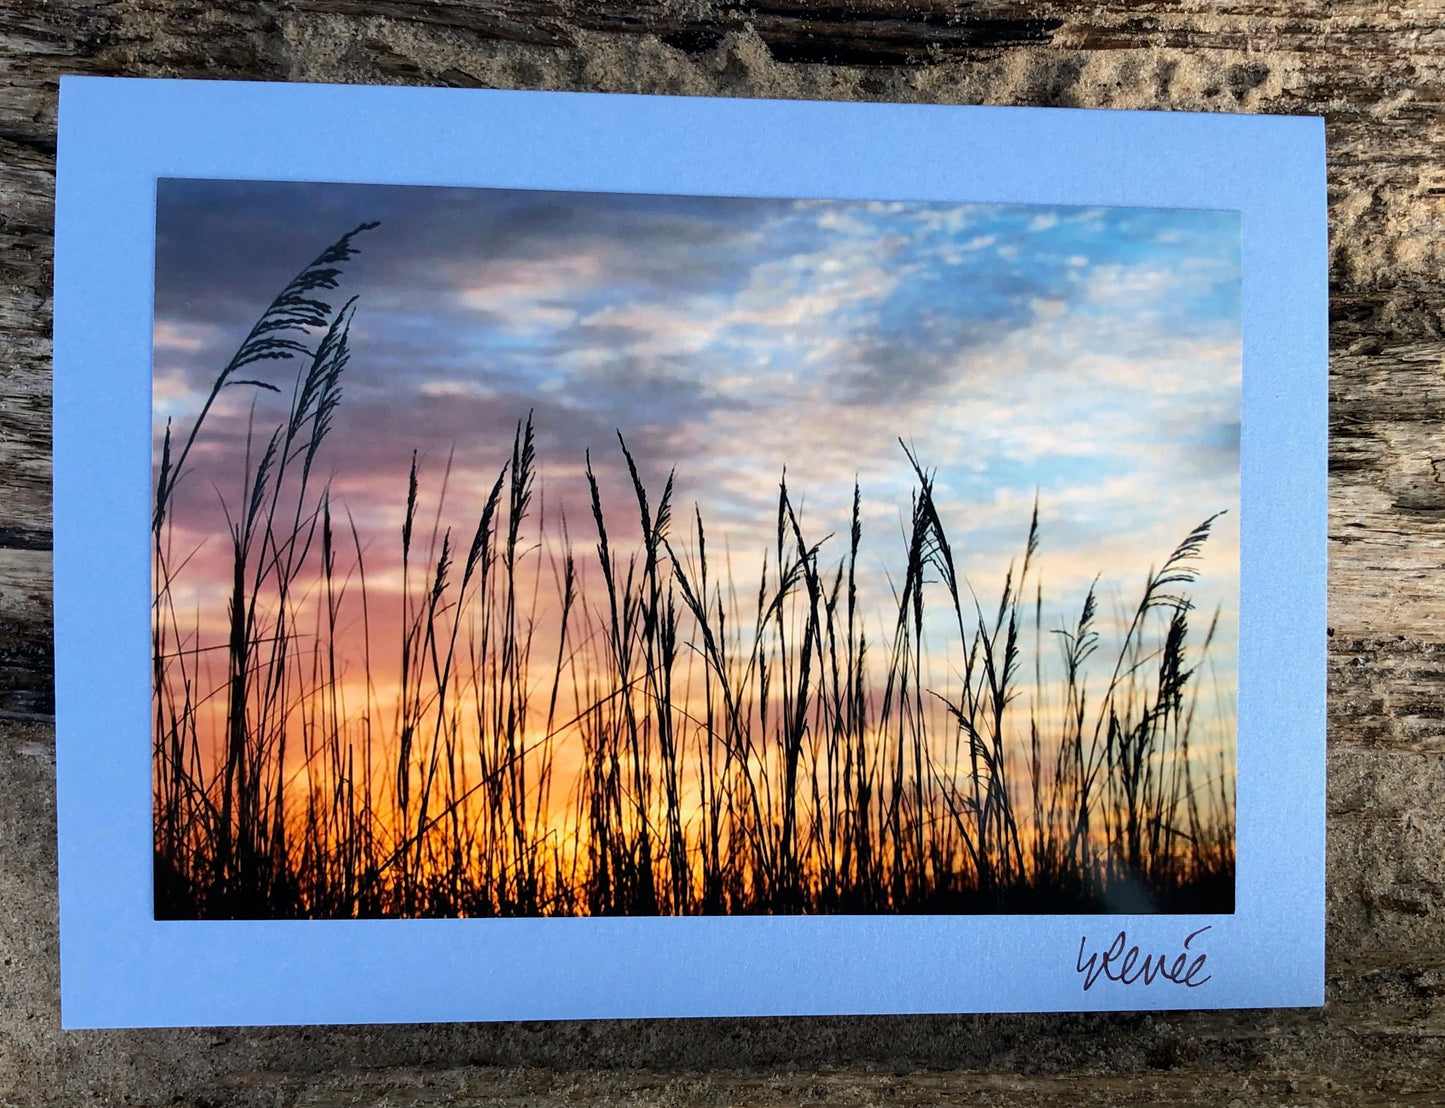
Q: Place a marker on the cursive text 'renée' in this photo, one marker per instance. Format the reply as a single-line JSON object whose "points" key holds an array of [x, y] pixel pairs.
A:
{"points": [[1121, 962]]}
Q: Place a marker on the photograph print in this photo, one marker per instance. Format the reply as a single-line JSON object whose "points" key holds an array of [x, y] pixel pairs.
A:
{"points": [[525, 553]]}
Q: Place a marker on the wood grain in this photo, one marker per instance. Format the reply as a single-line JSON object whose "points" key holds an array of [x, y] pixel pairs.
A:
{"points": [[1377, 74]]}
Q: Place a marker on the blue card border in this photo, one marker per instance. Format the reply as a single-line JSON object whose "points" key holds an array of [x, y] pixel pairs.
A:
{"points": [[120, 967]]}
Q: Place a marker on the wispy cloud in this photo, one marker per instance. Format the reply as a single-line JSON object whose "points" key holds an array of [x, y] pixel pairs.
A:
{"points": [[1089, 357]]}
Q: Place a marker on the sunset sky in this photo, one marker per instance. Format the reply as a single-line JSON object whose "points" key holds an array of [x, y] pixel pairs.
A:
{"points": [[1089, 356]]}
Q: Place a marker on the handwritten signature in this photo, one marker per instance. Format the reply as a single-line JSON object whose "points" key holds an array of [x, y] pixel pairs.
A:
{"points": [[1120, 962]]}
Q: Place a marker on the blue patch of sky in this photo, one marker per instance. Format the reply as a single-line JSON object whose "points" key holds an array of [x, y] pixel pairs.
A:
{"points": [[962, 275], [908, 289]]}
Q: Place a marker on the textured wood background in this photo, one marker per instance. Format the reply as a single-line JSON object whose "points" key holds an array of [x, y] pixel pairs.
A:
{"points": [[1373, 69]]}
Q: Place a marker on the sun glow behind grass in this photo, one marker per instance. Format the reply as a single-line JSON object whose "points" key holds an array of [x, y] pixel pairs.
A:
{"points": [[724, 739]]}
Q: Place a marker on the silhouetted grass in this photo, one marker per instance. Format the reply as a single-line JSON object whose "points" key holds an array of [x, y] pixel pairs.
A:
{"points": [[741, 749]]}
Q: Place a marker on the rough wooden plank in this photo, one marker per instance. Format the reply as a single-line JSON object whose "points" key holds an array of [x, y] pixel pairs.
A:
{"points": [[1377, 72], [1387, 492], [865, 34], [25, 266], [26, 642]]}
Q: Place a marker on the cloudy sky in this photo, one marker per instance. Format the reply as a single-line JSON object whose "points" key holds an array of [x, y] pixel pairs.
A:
{"points": [[1090, 357]]}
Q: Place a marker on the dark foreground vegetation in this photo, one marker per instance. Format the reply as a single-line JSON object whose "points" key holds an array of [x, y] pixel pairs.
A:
{"points": [[689, 743]]}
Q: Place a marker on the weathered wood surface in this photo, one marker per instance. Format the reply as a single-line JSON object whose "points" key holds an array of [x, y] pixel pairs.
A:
{"points": [[1375, 71]]}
